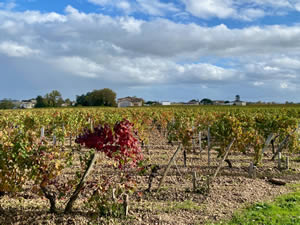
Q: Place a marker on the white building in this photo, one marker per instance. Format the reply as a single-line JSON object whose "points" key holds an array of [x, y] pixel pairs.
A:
{"points": [[28, 104], [240, 103], [129, 102], [165, 103]]}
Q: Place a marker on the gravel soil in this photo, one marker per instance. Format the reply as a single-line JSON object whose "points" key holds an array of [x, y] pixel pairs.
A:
{"points": [[176, 202]]}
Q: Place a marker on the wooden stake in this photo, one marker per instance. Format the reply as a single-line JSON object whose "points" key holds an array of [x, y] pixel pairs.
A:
{"points": [[54, 140], [169, 165], [279, 160], [92, 125], [113, 194], [223, 159], [283, 143], [70, 140], [194, 181], [252, 171], [42, 132], [184, 158], [200, 141], [125, 204], [194, 145], [287, 163], [208, 145], [63, 131]]}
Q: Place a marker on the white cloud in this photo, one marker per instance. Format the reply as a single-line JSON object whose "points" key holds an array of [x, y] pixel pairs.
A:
{"points": [[240, 9], [206, 9], [251, 14], [13, 49], [78, 66], [153, 7], [210, 8], [124, 5], [32, 17], [8, 5], [100, 2], [284, 85], [125, 51], [258, 83], [131, 25]]}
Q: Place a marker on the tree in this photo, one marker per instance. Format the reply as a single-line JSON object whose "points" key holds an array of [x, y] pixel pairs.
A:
{"points": [[53, 99], [6, 104], [68, 102], [103, 97], [40, 102], [206, 101], [81, 100], [152, 103]]}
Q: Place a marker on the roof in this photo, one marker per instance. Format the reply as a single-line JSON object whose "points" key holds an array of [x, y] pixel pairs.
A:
{"points": [[220, 101], [131, 99]]}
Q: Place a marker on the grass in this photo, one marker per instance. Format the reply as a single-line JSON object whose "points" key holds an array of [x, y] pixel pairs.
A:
{"points": [[283, 210]]}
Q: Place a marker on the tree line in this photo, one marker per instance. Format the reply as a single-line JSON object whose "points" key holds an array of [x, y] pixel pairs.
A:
{"points": [[103, 97]]}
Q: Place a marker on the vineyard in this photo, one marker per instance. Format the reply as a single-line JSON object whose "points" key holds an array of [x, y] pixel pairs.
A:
{"points": [[155, 165]]}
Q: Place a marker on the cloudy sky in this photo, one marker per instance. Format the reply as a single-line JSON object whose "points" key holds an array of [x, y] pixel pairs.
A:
{"points": [[155, 49]]}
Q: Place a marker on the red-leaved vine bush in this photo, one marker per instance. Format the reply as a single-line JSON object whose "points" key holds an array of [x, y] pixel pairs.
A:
{"points": [[118, 143]]}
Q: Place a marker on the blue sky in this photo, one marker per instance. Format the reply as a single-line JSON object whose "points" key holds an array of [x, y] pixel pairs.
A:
{"points": [[158, 50]]}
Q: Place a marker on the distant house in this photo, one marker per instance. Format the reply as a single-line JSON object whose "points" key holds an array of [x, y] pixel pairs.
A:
{"points": [[240, 103], [130, 101], [165, 103], [178, 103], [218, 102], [193, 102], [28, 104]]}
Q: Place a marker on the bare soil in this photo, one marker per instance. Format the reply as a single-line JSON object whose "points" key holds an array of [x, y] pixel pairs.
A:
{"points": [[176, 202]]}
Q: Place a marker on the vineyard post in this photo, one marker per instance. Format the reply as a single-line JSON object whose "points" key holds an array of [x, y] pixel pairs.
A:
{"points": [[169, 165], [283, 143], [223, 159], [287, 163], [184, 158], [114, 195], [70, 140], [279, 160], [42, 132], [63, 131], [252, 170], [200, 141], [193, 139], [194, 181], [54, 140], [125, 204], [91, 125], [208, 145]]}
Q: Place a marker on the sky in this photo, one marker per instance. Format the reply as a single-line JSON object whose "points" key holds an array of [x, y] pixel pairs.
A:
{"points": [[159, 50]]}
